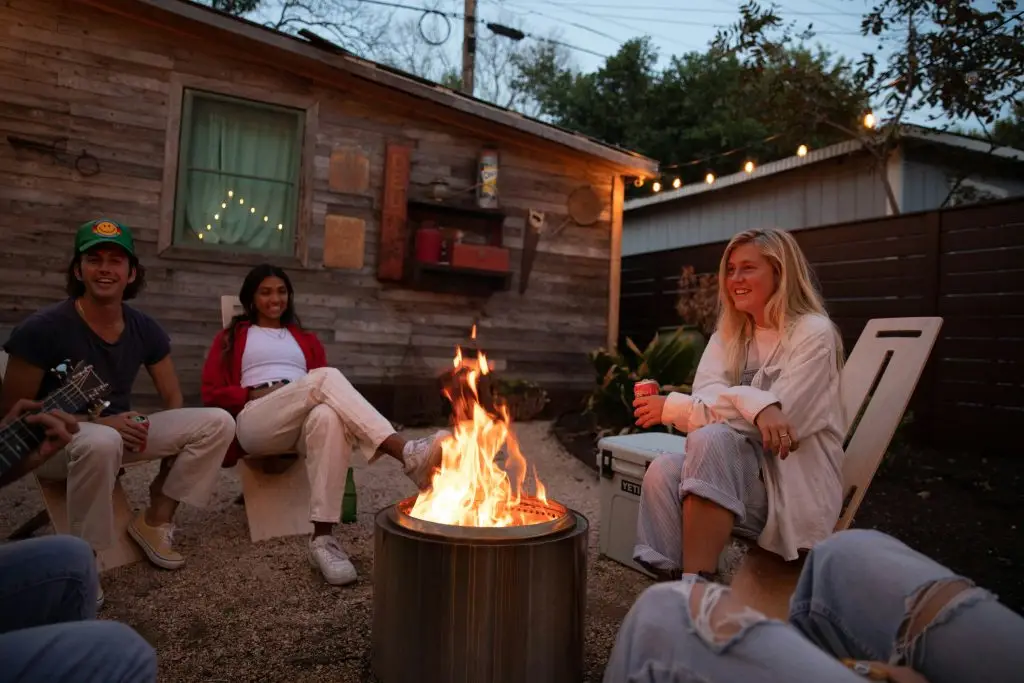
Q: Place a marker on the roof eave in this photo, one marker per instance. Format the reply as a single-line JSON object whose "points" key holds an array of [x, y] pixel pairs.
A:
{"points": [[624, 161]]}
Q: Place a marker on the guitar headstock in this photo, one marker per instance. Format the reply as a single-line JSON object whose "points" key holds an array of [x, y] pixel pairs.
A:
{"points": [[81, 388]]}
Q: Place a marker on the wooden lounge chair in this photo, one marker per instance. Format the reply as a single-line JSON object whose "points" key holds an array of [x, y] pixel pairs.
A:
{"points": [[877, 382], [55, 502], [275, 489]]}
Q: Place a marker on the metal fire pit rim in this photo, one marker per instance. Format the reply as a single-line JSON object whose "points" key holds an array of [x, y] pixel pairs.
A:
{"points": [[563, 519]]}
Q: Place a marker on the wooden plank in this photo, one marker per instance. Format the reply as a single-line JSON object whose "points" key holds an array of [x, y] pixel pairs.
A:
{"points": [[983, 260], [993, 281], [984, 236], [989, 371], [393, 229], [972, 218], [1002, 303], [983, 393]]}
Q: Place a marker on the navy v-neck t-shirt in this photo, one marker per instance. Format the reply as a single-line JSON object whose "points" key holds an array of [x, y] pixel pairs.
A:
{"points": [[57, 333]]}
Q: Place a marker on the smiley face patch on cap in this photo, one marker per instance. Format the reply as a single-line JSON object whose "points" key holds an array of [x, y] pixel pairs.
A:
{"points": [[106, 229], [104, 232]]}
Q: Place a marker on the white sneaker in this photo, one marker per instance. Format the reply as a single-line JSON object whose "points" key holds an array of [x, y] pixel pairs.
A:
{"points": [[422, 457], [325, 553]]}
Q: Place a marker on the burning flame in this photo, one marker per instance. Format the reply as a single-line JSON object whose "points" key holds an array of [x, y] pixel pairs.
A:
{"points": [[471, 488]]}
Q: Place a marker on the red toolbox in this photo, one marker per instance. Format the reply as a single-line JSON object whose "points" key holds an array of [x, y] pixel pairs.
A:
{"points": [[480, 257]]}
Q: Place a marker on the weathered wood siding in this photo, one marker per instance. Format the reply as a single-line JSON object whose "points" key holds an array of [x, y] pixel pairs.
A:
{"points": [[102, 81]]}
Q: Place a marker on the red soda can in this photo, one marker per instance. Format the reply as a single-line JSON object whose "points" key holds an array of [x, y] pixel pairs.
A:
{"points": [[645, 387]]}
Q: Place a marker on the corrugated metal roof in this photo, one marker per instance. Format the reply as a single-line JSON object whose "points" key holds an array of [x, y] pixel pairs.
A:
{"points": [[787, 164], [907, 131]]}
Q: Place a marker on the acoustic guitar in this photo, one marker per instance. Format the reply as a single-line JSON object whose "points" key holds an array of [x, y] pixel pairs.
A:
{"points": [[81, 390]]}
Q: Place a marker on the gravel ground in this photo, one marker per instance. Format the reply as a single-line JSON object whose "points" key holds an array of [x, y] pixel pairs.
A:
{"points": [[240, 611]]}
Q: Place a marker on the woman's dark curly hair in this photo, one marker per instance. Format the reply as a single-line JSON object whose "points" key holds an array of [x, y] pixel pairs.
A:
{"points": [[247, 297], [76, 288]]}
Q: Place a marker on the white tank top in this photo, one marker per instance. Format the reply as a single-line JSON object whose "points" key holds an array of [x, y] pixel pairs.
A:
{"points": [[271, 355]]}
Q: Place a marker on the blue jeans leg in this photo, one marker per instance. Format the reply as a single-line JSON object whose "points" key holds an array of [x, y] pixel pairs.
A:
{"points": [[671, 636], [46, 580], [77, 652], [860, 594]]}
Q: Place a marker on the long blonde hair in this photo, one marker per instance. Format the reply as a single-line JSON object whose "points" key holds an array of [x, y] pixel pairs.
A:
{"points": [[795, 295]]}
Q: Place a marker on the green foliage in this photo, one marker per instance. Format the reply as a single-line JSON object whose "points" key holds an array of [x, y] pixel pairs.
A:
{"points": [[1009, 131], [965, 59], [670, 360], [700, 105]]}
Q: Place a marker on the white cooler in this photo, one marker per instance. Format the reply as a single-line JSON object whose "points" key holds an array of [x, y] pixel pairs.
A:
{"points": [[622, 461]]}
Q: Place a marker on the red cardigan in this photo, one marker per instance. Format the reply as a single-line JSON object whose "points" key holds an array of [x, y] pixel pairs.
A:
{"points": [[222, 376]]}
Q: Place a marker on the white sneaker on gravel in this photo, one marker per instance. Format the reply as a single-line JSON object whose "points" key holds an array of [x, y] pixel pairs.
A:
{"points": [[422, 457], [326, 554]]}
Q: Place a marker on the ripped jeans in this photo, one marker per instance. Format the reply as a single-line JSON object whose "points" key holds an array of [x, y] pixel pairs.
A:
{"points": [[861, 595]]}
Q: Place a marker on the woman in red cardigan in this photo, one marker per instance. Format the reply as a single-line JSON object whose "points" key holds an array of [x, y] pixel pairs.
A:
{"points": [[272, 375]]}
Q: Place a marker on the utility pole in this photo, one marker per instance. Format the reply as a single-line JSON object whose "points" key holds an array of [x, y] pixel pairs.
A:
{"points": [[468, 46]]}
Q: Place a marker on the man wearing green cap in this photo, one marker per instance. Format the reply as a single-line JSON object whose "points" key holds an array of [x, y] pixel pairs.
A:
{"points": [[95, 325]]}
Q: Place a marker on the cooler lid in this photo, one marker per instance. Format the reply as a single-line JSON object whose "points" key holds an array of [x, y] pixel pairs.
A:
{"points": [[641, 448]]}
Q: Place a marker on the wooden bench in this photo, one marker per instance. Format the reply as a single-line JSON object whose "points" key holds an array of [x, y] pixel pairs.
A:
{"points": [[877, 382], [275, 489], [55, 502]]}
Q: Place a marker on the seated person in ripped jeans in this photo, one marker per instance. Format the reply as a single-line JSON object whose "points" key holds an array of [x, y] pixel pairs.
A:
{"points": [[94, 325], [48, 586], [764, 423], [270, 372], [865, 606]]}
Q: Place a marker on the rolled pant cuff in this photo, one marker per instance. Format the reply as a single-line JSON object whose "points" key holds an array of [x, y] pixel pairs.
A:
{"points": [[703, 489]]}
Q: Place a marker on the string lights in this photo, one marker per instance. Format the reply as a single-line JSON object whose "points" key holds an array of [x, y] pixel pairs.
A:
{"points": [[252, 212], [868, 121]]}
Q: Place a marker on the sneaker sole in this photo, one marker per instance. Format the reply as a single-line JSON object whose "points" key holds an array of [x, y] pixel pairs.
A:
{"points": [[152, 554], [340, 582]]}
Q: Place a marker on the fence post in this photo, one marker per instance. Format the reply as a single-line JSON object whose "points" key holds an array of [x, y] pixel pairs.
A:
{"points": [[932, 271]]}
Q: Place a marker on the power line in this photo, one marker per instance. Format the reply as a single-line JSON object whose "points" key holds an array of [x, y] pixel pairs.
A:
{"points": [[691, 10], [427, 11]]}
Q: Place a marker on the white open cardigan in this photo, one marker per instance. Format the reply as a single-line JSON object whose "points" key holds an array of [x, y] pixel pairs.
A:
{"points": [[800, 374]]}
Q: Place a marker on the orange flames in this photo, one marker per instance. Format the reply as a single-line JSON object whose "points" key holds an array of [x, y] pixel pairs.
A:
{"points": [[472, 488]]}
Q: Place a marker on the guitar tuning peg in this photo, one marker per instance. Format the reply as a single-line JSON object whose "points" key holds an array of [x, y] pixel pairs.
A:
{"points": [[61, 369], [98, 408]]}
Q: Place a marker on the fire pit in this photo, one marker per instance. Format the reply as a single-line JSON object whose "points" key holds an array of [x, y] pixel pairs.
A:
{"points": [[474, 580]]}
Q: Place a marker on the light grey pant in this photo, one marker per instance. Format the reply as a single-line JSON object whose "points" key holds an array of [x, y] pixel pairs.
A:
{"points": [[857, 593], [721, 465]]}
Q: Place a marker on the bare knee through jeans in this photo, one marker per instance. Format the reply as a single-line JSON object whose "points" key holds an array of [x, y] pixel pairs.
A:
{"points": [[197, 438], [861, 595], [320, 416]]}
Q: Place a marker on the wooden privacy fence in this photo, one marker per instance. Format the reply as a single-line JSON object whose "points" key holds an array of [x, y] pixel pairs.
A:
{"points": [[964, 264]]}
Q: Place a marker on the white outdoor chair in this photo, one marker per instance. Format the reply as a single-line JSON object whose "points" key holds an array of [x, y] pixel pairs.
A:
{"points": [[55, 502], [276, 492], [877, 382]]}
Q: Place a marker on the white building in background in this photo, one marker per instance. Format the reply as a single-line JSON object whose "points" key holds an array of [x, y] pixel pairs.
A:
{"points": [[837, 184]]}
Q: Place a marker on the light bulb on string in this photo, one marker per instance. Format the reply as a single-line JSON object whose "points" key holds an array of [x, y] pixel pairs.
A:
{"points": [[200, 235], [801, 151], [241, 201], [280, 226], [748, 167], [677, 183], [869, 120], [709, 178], [252, 210], [209, 227], [639, 182], [265, 219], [656, 187], [223, 205], [216, 216], [231, 193]]}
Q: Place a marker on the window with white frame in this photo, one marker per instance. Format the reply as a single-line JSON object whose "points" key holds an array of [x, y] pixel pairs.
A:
{"points": [[239, 169]]}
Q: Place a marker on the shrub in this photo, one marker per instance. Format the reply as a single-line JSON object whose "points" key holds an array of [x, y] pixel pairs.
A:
{"points": [[671, 360], [698, 300]]}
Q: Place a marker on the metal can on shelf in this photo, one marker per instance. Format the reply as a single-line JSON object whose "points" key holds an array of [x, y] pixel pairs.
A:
{"points": [[645, 387]]}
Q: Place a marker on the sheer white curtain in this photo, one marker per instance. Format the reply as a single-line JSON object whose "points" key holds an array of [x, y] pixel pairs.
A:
{"points": [[242, 175]]}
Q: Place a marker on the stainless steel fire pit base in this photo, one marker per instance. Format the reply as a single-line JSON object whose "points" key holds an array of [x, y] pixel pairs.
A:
{"points": [[478, 610]]}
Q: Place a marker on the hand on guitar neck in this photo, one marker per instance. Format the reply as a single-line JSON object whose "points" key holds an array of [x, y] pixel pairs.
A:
{"points": [[56, 427], [35, 430]]}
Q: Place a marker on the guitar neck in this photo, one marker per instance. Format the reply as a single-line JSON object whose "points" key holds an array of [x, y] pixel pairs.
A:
{"points": [[20, 438]]}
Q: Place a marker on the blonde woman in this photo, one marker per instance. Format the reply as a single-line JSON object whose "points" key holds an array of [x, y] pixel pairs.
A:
{"points": [[764, 423]]}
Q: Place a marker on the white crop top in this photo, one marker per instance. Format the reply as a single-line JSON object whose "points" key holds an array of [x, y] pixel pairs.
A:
{"points": [[271, 355]]}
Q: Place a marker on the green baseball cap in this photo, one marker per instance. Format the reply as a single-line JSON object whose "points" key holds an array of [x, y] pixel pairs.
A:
{"points": [[104, 231]]}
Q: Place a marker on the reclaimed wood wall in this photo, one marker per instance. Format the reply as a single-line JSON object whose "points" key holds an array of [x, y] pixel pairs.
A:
{"points": [[962, 264], [102, 82]]}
